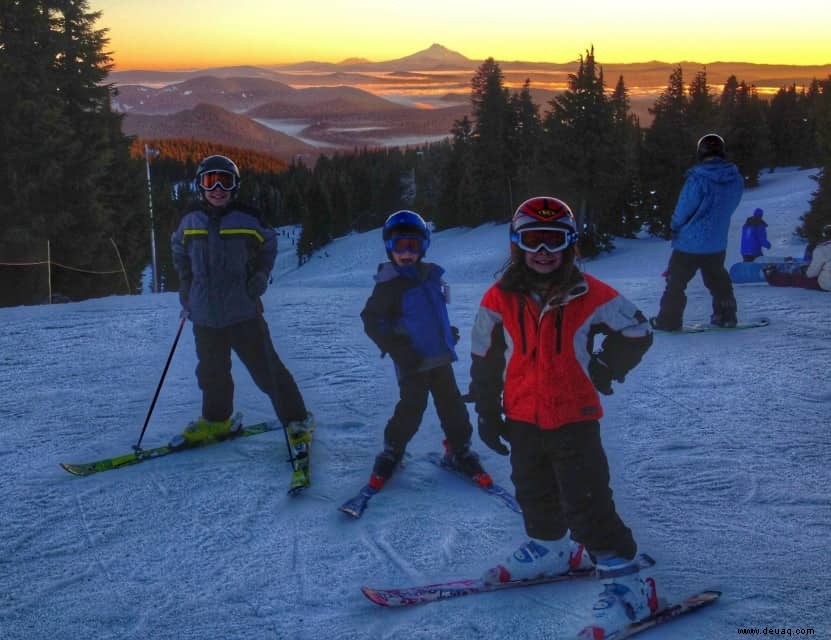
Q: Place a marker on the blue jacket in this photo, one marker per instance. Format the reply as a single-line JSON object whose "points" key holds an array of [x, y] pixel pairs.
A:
{"points": [[406, 316], [215, 252], [754, 236], [709, 197]]}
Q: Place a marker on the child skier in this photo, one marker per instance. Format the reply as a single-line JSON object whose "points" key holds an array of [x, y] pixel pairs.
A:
{"points": [[224, 254], [533, 361], [406, 316]]}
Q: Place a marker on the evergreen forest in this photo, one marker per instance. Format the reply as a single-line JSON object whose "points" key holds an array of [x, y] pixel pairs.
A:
{"points": [[76, 188]]}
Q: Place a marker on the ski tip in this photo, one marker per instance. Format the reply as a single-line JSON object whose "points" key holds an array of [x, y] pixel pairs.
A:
{"points": [[75, 469], [350, 512], [645, 560], [374, 596]]}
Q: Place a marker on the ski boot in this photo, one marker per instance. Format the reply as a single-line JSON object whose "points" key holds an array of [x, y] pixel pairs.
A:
{"points": [[300, 440], [724, 313], [466, 461], [201, 430], [628, 596], [540, 558], [385, 464], [661, 324]]}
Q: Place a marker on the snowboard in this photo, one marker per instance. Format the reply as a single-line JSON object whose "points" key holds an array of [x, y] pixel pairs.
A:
{"points": [[748, 272], [700, 327]]}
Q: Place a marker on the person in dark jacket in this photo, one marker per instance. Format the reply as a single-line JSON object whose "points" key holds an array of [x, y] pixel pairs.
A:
{"points": [[699, 227], [533, 361], [406, 316], [754, 236], [224, 254]]}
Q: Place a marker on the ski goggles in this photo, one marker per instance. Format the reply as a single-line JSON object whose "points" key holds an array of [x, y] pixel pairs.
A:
{"points": [[404, 244], [552, 240], [213, 179]]}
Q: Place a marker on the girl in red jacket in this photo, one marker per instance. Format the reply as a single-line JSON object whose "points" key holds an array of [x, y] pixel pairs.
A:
{"points": [[533, 361]]}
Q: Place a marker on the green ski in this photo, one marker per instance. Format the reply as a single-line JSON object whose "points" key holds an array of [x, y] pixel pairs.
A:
{"points": [[141, 455]]}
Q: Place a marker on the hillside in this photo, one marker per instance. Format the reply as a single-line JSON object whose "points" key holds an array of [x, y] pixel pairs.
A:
{"points": [[233, 94], [214, 124], [717, 443]]}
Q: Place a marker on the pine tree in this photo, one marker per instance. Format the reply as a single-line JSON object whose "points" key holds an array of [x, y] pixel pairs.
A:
{"points": [[524, 148], [491, 117], [580, 146], [702, 110], [669, 150], [744, 123], [60, 145]]}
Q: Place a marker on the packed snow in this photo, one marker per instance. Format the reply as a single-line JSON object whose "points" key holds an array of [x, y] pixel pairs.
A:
{"points": [[718, 445]]}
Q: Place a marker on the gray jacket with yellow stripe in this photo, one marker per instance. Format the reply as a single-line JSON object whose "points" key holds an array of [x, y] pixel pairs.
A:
{"points": [[215, 252]]}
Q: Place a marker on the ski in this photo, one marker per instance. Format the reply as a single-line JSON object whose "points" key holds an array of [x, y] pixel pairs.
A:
{"points": [[700, 327], [142, 455], [356, 506], [300, 443], [495, 490], [409, 596], [667, 614]]}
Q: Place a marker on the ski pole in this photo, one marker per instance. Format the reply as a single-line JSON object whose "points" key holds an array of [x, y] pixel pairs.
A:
{"points": [[137, 446], [268, 347]]}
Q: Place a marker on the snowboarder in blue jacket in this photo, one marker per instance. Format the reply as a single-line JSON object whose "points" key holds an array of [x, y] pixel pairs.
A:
{"points": [[754, 236], [406, 316], [699, 227]]}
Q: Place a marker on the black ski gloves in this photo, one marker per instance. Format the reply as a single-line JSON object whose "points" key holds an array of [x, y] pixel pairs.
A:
{"points": [[492, 431], [257, 284], [454, 332], [618, 357], [601, 375]]}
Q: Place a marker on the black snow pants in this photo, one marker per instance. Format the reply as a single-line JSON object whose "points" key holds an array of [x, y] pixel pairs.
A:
{"points": [[682, 268], [414, 389], [251, 341], [561, 478]]}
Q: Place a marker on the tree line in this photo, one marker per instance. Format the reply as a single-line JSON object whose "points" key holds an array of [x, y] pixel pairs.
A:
{"points": [[75, 181]]}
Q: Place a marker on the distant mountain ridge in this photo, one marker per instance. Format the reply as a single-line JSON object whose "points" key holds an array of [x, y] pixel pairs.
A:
{"points": [[359, 103], [437, 58]]}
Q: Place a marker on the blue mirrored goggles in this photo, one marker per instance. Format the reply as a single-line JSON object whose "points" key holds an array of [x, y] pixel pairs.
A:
{"points": [[552, 240], [404, 244]]}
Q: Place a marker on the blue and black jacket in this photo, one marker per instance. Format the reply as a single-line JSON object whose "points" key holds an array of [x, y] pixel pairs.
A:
{"points": [[709, 197], [215, 252], [406, 316]]}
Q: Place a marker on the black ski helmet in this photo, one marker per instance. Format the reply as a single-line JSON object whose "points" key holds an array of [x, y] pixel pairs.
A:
{"points": [[710, 144], [826, 231], [217, 163]]}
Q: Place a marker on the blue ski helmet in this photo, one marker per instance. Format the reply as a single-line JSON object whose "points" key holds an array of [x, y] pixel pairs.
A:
{"points": [[403, 222]]}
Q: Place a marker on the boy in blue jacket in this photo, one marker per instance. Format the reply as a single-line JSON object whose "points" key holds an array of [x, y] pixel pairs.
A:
{"points": [[699, 227], [754, 236], [406, 316]]}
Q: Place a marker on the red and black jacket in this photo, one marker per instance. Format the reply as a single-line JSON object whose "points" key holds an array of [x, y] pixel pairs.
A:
{"points": [[530, 360]]}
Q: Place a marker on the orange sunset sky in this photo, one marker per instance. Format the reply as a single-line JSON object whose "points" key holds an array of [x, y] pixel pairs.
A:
{"points": [[186, 34]]}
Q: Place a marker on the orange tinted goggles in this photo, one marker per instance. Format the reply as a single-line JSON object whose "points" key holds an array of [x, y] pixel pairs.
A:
{"points": [[222, 179], [403, 244]]}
